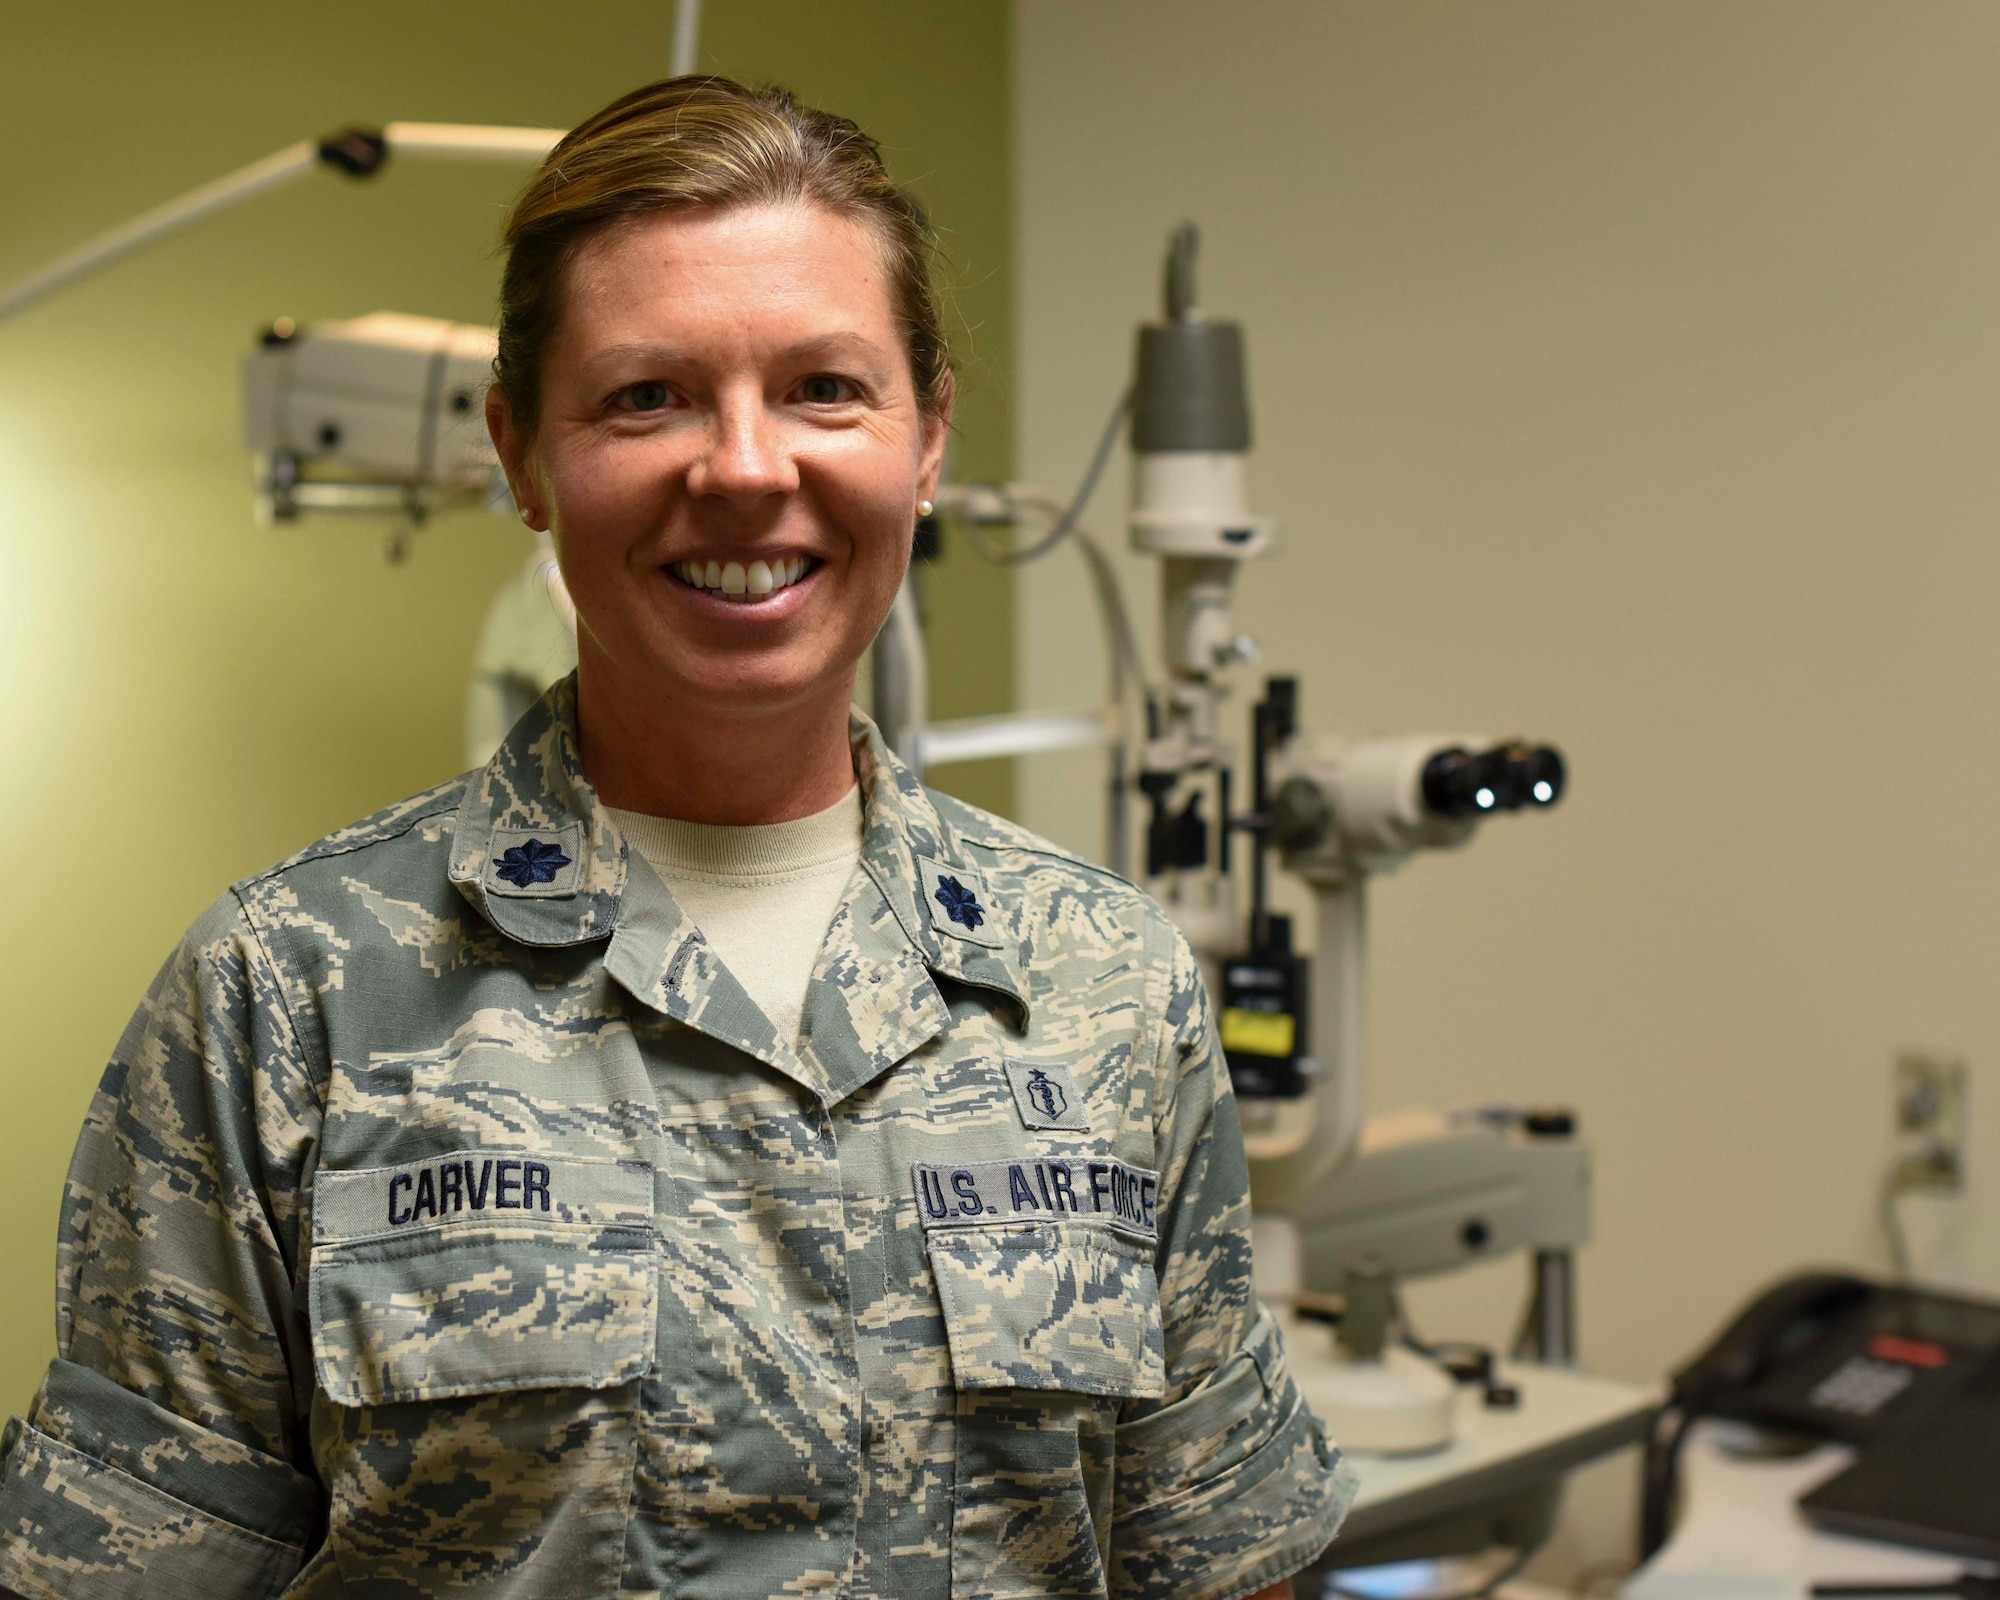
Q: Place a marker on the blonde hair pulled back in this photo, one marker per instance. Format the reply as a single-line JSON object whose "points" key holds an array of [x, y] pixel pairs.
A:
{"points": [[710, 143]]}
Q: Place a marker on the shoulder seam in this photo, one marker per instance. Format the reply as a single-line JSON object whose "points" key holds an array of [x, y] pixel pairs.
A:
{"points": [[320, 1069], [1052, 853], [1046, 849]]}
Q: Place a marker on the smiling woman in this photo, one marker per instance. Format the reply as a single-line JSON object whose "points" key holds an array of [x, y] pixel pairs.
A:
{"points": [[686, 1155], [726, 389]]}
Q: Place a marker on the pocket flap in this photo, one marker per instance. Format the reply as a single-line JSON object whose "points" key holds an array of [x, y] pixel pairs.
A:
{"points": [[481, 1272], [1049, 1306]]}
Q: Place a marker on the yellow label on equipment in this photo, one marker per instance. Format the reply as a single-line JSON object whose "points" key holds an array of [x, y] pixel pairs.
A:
{"points": [[1258, 1033]]}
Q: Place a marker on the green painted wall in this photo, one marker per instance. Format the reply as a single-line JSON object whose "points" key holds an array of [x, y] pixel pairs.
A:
{"points": [[195, 697]]}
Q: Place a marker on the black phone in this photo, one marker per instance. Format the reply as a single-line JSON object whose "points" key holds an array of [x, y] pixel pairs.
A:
{"points": [[1831, 1356]]}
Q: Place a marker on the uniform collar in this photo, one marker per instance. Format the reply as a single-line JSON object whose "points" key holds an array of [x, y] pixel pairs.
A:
{"points": [[533, 850], [910, 852], [540, 857]]}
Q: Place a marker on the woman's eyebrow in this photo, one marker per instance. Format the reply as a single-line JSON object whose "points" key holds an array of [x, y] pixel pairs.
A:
{"points": [[636, 352], [819, 346], [834, 344]]}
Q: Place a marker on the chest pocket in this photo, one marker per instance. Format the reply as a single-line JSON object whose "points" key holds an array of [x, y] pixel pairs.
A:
{"points": [[486, 1271], [1050, 1306], [479, 1326], [1051, 1327]]}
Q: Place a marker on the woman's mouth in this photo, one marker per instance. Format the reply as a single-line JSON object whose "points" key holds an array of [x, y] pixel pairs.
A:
{"points": [[744, 581]]}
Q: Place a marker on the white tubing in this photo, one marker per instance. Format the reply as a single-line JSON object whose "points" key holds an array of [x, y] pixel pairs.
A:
{"points": [[294, 161], [1014, 733], [470, 141]]}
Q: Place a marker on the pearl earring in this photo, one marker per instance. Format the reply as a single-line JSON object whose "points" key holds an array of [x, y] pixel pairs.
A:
{"points": [[925, 508], [526, 514]]}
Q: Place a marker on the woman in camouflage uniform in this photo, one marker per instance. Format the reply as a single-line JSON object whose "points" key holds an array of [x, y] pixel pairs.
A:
{"points": [[454, 1219]]}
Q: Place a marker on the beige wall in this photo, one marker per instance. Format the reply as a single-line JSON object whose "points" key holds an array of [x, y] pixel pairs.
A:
{"points": [[1628, 375], [194, 698]]}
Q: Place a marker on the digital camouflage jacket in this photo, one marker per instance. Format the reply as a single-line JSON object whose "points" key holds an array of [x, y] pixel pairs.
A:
{"points": [[450, 1222]]}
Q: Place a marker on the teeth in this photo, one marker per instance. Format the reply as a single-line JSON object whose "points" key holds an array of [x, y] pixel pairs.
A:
{"points": [[740, 582]]}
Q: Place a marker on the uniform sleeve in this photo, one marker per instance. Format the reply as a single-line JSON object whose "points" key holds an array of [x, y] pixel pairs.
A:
{"points": [[1228, 1484], [159, 1456]]}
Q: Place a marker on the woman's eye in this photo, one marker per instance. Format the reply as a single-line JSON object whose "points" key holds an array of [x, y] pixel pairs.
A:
{"points": [[648, 396], [823, 389]]}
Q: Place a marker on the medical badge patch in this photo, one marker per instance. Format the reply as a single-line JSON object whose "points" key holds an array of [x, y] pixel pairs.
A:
{"points": [[1048, 1096]]}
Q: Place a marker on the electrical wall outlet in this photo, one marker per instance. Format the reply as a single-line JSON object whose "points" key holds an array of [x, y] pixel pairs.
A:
{"points": [[1930, 1123]]}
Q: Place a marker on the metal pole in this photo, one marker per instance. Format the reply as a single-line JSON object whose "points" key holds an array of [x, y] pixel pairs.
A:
{"points": [[1554, 1329], [687, 37], [902, 678]]}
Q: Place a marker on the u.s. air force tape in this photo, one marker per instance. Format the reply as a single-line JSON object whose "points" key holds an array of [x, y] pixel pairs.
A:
{"points": [[968, 1193]]}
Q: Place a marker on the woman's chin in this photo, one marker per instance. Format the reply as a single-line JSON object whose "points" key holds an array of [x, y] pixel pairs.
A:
{"points": [[756, 686]]}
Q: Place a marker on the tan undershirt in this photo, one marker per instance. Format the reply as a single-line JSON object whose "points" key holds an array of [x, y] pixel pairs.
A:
{"points": [[762, 896]]}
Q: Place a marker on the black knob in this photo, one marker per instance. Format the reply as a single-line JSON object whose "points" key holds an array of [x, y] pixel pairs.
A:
{"points": [[1475, 1235], [1300, 816], [358, 152], [1190, 844]]}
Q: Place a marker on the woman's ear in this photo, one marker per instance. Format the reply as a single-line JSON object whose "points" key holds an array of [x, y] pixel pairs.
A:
{"points": [[515, 449], [937, 434]]}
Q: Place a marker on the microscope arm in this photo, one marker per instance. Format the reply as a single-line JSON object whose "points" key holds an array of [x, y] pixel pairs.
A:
{"points": [[359, 153]]}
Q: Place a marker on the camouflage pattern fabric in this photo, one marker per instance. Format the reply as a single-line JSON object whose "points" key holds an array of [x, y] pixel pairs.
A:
{"points": [[450, 1222]]}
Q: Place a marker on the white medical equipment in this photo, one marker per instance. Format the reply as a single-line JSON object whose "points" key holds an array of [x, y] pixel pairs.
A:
{"points": [[382, 413], [1462, 1450], [1395, 1199]]}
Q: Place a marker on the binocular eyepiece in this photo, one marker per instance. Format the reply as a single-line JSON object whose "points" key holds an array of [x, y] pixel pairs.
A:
{"points": [[1463, 783]]}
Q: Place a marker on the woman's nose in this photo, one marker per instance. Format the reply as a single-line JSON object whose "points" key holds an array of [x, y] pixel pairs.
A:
{"points": [[745, 456]]}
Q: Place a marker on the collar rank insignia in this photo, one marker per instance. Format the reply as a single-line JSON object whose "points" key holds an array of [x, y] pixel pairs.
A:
{"points": [[960, 903], [531, 863], [960, 906], [535, 863], [1047, 1097]]}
